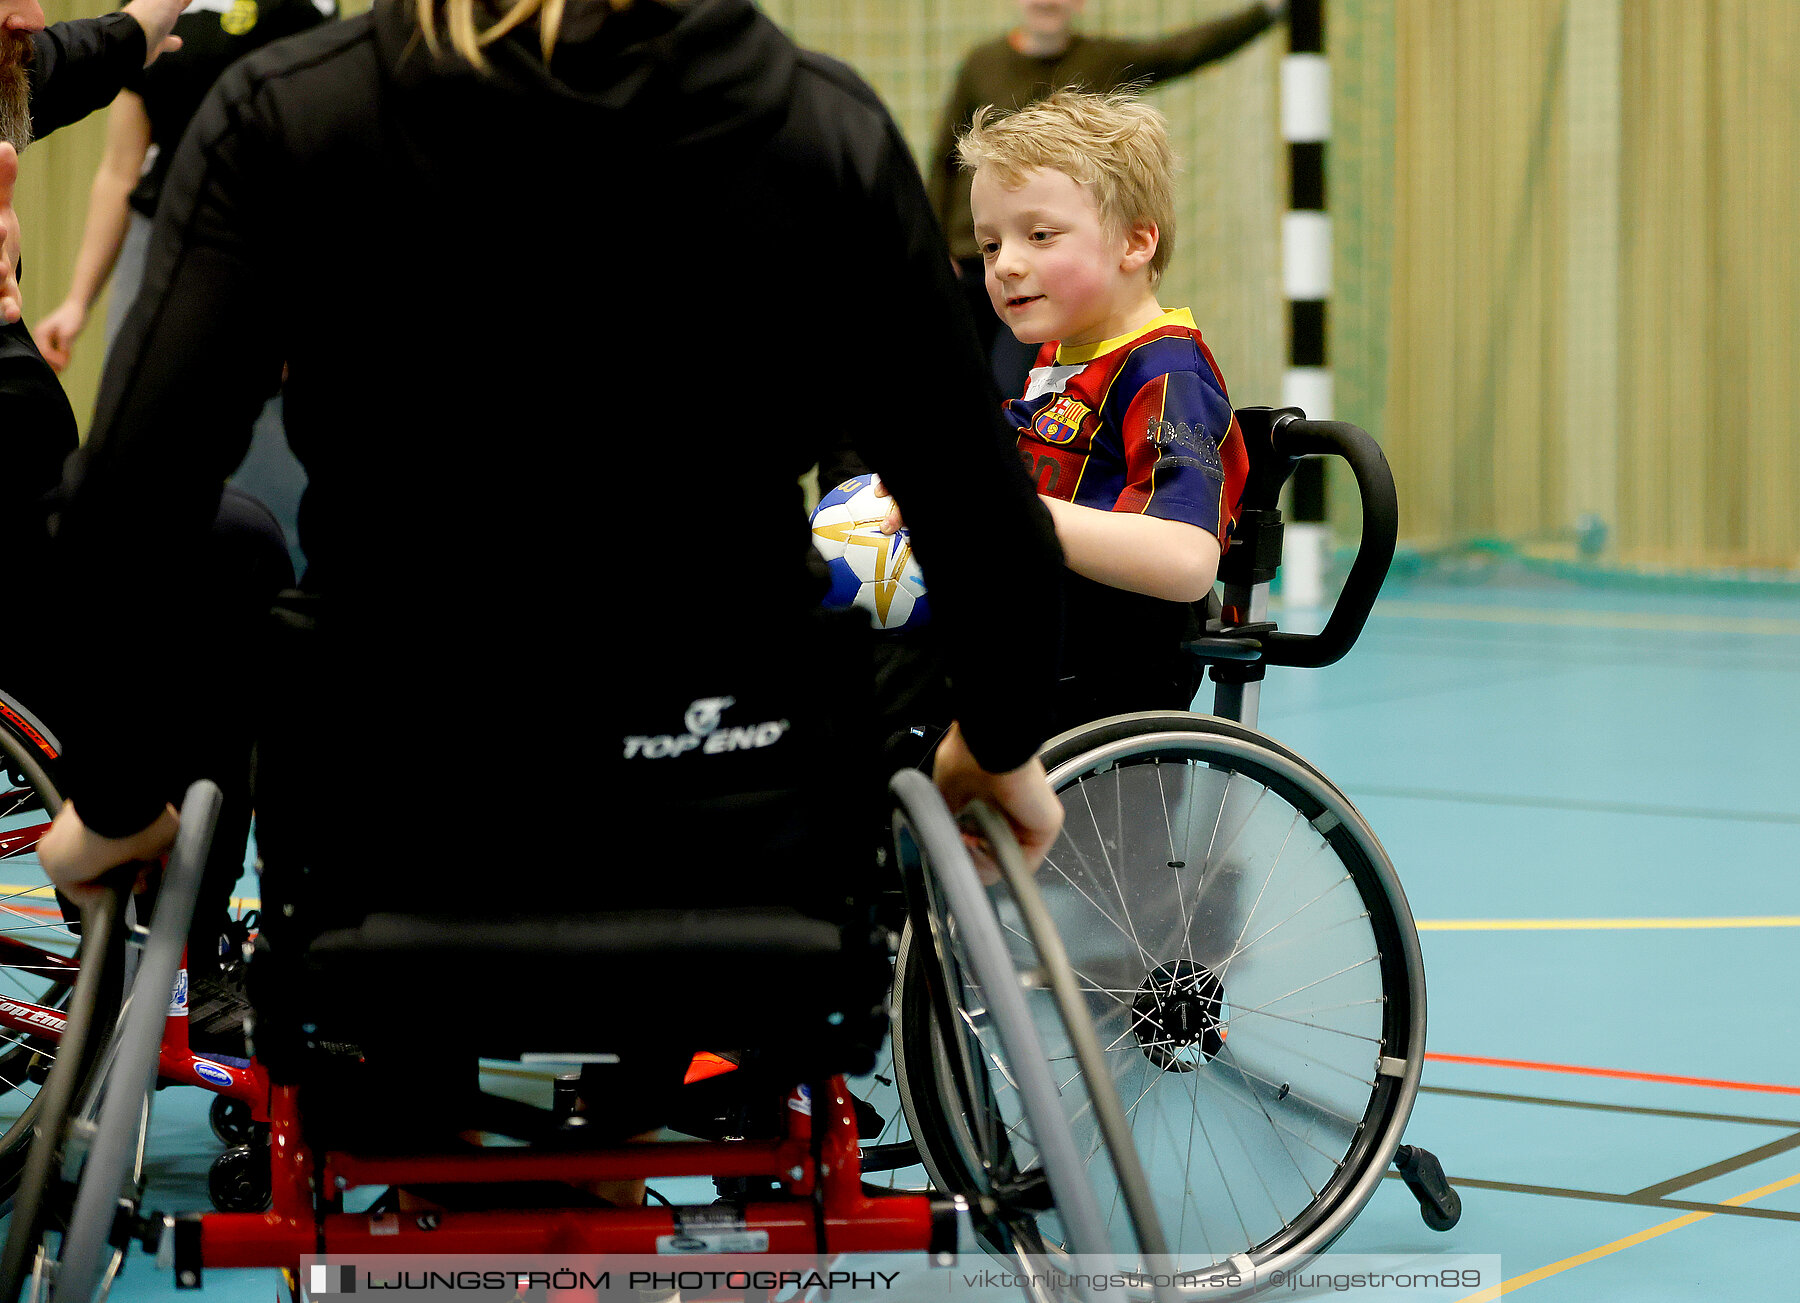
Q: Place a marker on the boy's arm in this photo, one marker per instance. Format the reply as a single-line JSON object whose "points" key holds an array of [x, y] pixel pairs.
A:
{"points": [[1194, 47], [1185, 466], [1169, 559], [108, 216]]}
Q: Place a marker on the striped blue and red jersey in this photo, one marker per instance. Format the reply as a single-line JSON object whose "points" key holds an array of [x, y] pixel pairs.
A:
{"points": [[1139, 423]]}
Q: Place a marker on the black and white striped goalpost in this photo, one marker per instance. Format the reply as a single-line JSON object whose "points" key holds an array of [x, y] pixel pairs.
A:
{"points": [[1306, 278]]}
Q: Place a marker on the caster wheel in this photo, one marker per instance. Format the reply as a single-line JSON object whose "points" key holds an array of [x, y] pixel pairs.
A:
{"points": [[231, 1122], [239, 1180]]}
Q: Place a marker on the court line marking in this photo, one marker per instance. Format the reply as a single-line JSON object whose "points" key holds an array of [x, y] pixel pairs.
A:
{"points": [[1581, 807], [1724, 1167], [1636, 1110], [1621, 1074], [1630, 1241], [1628, 1200], [1599, 924], [1400, 609]]}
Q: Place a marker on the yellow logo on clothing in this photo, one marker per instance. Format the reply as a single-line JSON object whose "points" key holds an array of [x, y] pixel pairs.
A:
{"points": [[1059, 422], [240, 18]]}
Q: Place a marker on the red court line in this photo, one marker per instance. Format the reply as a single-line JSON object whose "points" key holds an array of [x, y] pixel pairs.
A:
{"points": [[1714, 1082]]}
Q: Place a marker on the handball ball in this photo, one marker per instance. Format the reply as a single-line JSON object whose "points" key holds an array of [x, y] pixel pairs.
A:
{"points": [[869, 569]]}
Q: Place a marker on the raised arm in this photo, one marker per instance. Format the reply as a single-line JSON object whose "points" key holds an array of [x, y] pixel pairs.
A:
{"points": [[79, 67], [1194, 47]]}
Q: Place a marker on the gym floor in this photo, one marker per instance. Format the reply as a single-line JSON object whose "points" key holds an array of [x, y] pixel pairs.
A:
{"points": [[1590, 795]]}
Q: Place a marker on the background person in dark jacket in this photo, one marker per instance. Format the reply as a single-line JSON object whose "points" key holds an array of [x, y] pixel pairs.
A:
{"points": [[605, 546]]}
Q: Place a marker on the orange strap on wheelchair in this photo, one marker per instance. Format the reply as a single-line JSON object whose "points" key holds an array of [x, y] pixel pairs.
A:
{"points": [[707, 1065]]}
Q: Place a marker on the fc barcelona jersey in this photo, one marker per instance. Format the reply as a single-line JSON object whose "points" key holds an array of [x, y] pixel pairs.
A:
{"points": [[1140, 423]]}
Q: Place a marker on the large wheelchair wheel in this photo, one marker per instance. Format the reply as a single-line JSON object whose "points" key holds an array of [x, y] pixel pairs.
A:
{"points": [[85, 1167], [946, 899], [1251, 965], [40, 952], [889, 1156]]}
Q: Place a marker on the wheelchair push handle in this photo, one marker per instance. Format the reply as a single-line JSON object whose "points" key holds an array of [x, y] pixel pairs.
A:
{"points": [[1294, 437]]}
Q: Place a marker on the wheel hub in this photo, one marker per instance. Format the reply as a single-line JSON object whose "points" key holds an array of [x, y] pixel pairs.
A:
{"points": [[1179, 1016]]}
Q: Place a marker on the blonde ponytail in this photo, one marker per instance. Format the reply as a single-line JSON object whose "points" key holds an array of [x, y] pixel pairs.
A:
{"points": [[470, 24]]}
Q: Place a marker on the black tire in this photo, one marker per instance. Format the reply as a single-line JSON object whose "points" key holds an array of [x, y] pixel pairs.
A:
{"points": [[43, 1199], [1314, 1147], [33, 933], [231, 1122]]}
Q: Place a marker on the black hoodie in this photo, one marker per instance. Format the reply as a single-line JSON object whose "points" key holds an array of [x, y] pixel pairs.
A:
{"points": [[560, 342]]}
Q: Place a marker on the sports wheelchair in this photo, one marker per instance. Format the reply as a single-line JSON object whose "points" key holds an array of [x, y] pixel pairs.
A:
{"points": [[1205, 1017], [1234, 929]]}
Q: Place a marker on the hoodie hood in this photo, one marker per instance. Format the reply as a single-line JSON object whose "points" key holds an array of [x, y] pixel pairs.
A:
{"points": [[697, 73]]}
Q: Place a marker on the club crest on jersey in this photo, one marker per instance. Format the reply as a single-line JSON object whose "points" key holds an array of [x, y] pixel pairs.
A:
{"points": [[240, 18], [1061, 420]]}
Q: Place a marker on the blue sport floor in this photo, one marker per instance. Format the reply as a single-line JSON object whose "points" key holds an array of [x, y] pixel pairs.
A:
{"points": [[1591, 798]]}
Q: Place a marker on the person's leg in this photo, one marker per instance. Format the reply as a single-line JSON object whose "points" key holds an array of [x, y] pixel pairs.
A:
{"points": [[272, 475], [128, 274], [244, 566]]}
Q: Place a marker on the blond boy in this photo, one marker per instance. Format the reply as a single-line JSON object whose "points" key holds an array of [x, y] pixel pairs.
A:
{"points": [[1125, 423]]}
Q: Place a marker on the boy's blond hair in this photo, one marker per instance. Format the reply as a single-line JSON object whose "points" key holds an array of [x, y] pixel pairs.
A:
{"points": [[1114, 144]]}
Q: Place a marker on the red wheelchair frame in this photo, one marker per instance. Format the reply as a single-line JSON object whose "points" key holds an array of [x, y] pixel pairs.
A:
{"points": [[824, 1207]]}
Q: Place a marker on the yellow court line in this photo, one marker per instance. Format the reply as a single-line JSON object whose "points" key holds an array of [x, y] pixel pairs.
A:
{"points": [[1774, 625], [1599, 924], [1580, 1259]]}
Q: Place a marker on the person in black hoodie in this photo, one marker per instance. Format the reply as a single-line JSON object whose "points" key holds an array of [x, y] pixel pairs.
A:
{"points": [[549, 575]]}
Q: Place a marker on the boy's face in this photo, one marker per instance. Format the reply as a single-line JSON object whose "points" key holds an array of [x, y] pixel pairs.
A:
{"points": [[1055, 270]]}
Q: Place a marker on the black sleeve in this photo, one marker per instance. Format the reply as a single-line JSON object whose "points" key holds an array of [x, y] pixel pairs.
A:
{"points": [[37, 428], [985, 542], [196, 359], [80, 66], [843, 460]]}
